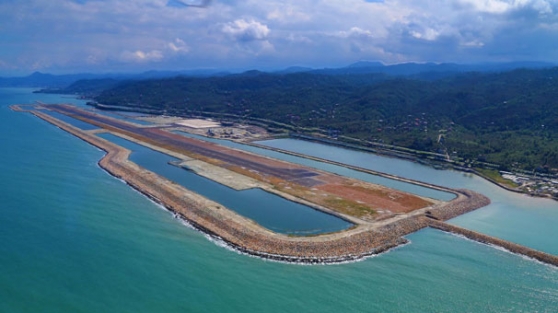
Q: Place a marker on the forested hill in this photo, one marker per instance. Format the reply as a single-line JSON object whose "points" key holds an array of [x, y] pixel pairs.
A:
{"points": [[508, 118]]}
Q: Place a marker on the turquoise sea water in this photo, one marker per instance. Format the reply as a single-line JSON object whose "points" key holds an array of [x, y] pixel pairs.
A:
{"points": [[74, 239]]}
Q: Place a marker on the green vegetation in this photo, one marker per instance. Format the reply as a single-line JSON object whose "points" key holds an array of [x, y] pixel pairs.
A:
{"points": [[509, 119], [495, 176], [348, 207]]}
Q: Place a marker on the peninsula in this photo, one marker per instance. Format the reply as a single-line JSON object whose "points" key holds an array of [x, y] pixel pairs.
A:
{"points": [[358, 202]]}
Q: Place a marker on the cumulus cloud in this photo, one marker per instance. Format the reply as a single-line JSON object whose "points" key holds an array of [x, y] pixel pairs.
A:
{"points": [[426, 34], [246, 30], [144, 34]]}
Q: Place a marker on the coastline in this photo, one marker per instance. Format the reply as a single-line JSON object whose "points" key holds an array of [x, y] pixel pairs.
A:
{"points": [[544, 196]]}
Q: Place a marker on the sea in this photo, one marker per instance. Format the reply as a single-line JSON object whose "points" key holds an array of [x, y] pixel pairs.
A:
{"points": [[75, 239]]}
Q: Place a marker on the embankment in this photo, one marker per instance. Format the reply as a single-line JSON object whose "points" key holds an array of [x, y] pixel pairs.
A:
{"points": [[247, 236], [465, 202]]}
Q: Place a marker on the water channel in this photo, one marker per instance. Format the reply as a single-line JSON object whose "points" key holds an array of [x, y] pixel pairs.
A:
{"points": [[343, 171], [70, 120]]}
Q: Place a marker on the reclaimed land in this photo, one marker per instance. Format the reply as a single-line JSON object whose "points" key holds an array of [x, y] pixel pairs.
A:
{"points": [[366, 238]]}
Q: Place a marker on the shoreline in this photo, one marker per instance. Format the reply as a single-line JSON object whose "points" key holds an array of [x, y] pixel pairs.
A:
{"points": [[515, 190]]}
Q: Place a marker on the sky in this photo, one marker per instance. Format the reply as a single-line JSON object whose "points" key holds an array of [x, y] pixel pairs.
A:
{"points": [[76, 36]]}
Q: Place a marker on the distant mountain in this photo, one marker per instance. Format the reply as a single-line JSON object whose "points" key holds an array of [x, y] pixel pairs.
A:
{"points": [[85, 87], [38, 79], [52, 83], [295, 69], [366, 64], [506, 66], [188, 73], [430, 71]]}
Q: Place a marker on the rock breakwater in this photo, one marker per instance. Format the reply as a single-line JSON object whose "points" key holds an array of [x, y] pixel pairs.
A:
{"points": [[510, 246], [465, 202]]}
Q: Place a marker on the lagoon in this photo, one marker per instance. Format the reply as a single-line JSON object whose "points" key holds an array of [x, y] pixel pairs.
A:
{"points": [[269, 210]]}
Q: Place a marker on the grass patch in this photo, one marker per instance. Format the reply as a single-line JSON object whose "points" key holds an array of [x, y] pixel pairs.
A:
{"points": [[349, 207], [495, 176]]}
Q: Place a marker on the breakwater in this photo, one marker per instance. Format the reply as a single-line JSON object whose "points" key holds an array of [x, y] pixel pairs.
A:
{"points": [[510, 246], [465, 202], [245, 235]]}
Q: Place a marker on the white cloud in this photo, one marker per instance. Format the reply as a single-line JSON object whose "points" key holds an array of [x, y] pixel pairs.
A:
{"points": [[355, 32], [296, 38], [141, 56], [143, 34], [426, 34], [287, 13], [488, 6], [505, 6], [178, 46], [246, 30]]}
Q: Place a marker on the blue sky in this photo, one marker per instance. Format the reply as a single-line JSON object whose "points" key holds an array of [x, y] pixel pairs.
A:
{"points": [[67, 36]]}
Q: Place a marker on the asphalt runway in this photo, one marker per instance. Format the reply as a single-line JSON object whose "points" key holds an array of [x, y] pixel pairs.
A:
{"points": [[292, 173]]}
